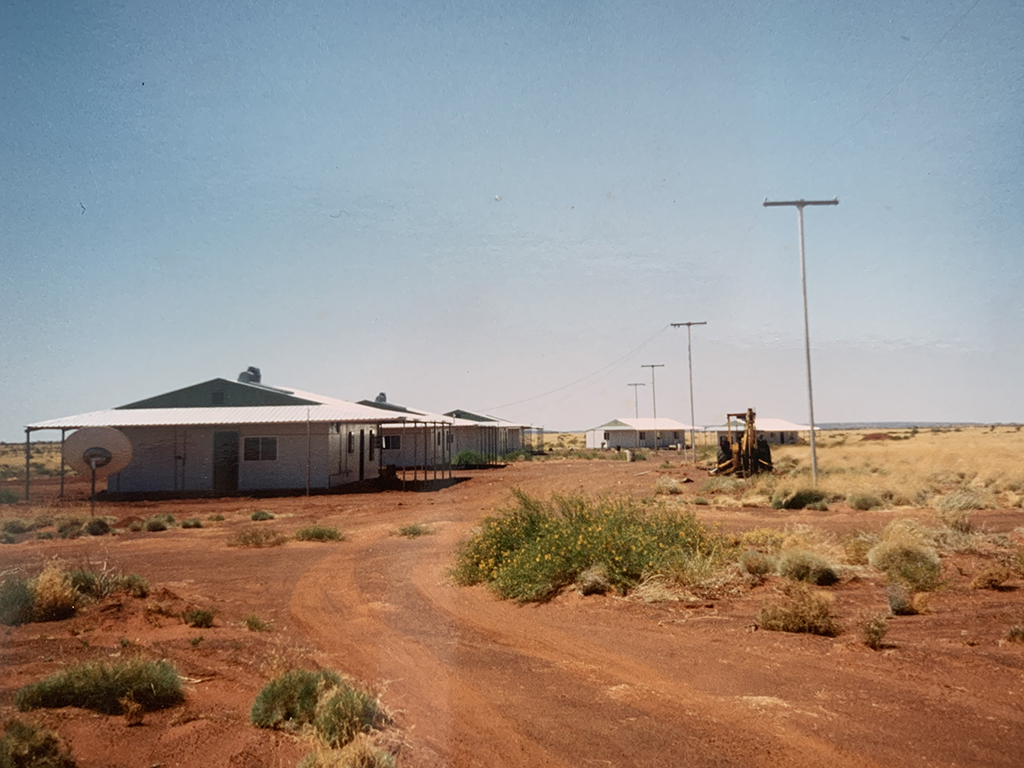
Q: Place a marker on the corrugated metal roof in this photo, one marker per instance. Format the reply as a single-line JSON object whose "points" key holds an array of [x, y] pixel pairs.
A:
{"points": [[766, 425], [272, 414], [653, 425]]}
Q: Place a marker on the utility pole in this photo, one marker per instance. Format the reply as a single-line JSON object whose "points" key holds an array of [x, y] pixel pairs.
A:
{"points": [[654, 400], [689, 359], [800, 205], [636, 403]]}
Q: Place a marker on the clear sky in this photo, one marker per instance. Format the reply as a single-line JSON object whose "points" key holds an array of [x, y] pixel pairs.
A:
{"points": [[470, 204]]}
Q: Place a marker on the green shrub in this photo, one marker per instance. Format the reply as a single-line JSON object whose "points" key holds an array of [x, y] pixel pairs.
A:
{"points": [[255, 624], [97, 526], [101, 583], [915, 565], [260, 515], [863, 501], [7, 496], [801, 610], [16, 600], [533, 549], [193, 523], [100, 686], [44, 535], [1015, 634], [344, 712], [797, 498], [135, 526], [198, 618], [319, 533], [700, 501], [757, 563], [874, 631], [414, 531], [14, 525], [216, 518], [28, 746], [291, 699], [154, 525], [256, 537], [801, 565], [7, 538], [469, 458]]}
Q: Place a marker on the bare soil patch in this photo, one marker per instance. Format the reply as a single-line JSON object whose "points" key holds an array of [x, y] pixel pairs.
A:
{"points": [[474, 681]]}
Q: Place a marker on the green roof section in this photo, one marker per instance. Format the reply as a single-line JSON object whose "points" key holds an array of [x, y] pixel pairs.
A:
{"points": [[468, 416], [220, 393], [615, 423]]}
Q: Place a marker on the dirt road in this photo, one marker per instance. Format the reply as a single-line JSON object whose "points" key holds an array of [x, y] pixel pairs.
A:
{"points": [[596, 681]]}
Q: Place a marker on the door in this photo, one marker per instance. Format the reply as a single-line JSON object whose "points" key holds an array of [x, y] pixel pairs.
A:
{"points": [[362, 453], [225, 461]]}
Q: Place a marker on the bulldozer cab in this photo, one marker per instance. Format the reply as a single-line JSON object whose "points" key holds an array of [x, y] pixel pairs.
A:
{"points": [[742, 453]]}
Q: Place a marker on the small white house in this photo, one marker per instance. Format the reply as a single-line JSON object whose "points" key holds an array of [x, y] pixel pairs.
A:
{"points": [[655, 434], [222, 437]]}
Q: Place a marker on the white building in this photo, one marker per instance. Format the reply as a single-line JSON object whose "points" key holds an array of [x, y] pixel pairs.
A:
{"points": [[223, 436], [638, 433], [775, 431]]}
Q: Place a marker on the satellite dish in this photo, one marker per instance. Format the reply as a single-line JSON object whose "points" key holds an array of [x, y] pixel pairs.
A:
{"points": [[105, 448]]}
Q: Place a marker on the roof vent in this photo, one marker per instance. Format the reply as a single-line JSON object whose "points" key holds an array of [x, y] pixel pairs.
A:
{"points": [[381, 398], [250, 376]]}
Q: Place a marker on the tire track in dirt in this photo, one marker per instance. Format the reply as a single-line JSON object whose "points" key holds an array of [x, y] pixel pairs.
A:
{"points": [[481, 683]]}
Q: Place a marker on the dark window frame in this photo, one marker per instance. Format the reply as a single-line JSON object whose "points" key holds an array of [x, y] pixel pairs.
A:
{"points": [[259, 448]]}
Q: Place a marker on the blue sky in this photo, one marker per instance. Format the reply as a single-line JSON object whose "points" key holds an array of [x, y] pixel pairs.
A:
{"points": [[472, 204]]}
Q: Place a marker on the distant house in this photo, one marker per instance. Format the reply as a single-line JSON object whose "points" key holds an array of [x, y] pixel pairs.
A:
{"points": [[638, 433], [775, 431], [222, 436]]}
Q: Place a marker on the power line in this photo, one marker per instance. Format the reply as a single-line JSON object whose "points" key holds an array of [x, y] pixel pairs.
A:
{"points": [[581, 380]]}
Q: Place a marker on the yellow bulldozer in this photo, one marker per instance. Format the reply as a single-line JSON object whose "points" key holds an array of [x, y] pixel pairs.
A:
{"points": [[742, 453]]}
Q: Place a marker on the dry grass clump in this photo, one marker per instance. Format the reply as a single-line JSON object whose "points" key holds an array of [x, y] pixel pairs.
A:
{"points": [[991, 578], [255, 624], [757, 564], [802, 565], [864, 501], [594, 580], [28, 746], [413, 531], [767, 540], [909, 563], [257, 538], [903, 601], [667, 486], [16, 600], [54, 594], [857, 545], [962, 500], [801, 610], [1015, 634], [290, 700], [198, 618], [875, 630], [359, 753], [722, 484]]}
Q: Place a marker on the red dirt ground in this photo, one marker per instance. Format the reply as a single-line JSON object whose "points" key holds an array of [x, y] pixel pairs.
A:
{"points": [[474, 681]]}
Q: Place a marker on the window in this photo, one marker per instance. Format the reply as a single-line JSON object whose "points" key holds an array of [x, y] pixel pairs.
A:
{"points": [[391, 442], [643, 435], [372, 443], [260, 449], [675, 435], [351, 442], [607, 435]]}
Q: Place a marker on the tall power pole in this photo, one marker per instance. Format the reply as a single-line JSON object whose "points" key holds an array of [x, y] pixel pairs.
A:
{"points": [[654, 400], [689, 359], [800, 205], [636, 403]]}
